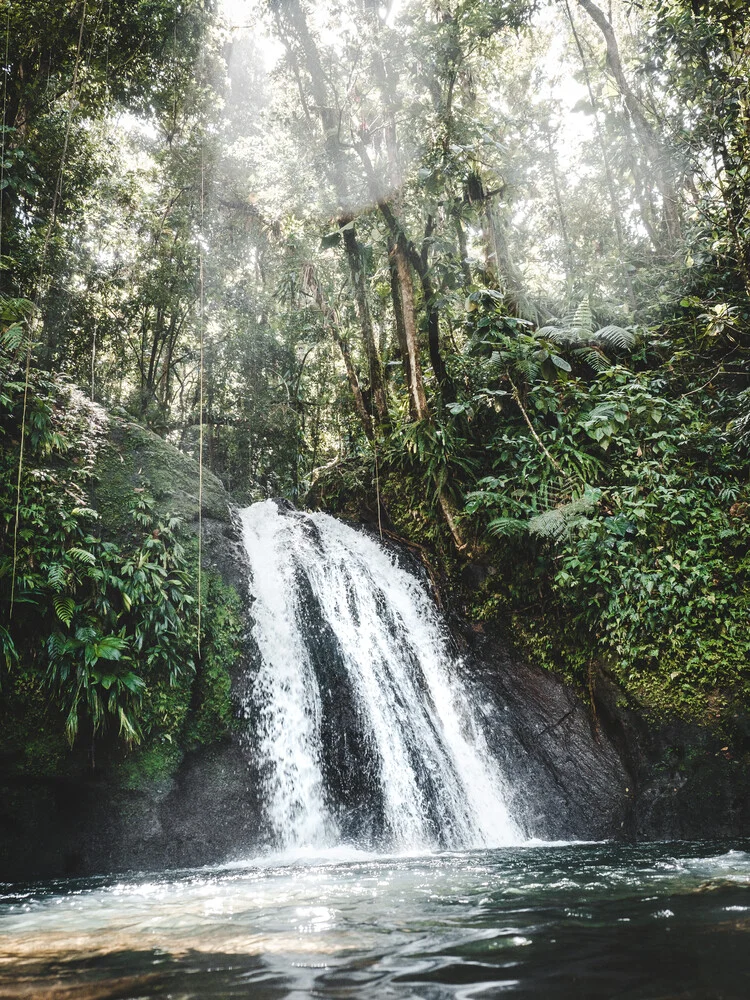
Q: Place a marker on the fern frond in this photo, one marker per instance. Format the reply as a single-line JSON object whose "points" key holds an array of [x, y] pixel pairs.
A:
{"points": [[559, 521], [528, 368], [578, 328], [618, 336], [581, 322], [128, 727], [82, 555], [550, 524], [602, 411], [594, 358], [64, 608], [560, 335], [85, 512], [507, 527], [57, 576], [14, 338], [740, 426]]}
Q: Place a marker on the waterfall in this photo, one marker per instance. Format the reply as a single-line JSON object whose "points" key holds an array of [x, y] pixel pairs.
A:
{"points": [[357, 714]]}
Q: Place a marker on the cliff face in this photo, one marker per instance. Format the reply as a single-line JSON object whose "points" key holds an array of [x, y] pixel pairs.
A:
{"points": [[578, 768], [600, 768]]}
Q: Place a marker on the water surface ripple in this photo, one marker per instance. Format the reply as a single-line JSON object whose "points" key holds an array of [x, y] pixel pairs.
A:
{"points": [[585, 921]]}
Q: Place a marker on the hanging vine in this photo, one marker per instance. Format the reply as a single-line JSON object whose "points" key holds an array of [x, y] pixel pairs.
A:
{"points": [[42, 265]]}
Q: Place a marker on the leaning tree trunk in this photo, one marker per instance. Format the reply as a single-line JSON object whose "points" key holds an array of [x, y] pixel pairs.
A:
{"points": [[654, 149], [375, 365]]}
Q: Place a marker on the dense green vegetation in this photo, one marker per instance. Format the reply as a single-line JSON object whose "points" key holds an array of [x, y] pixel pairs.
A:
{"points": [[101, 631], [476, 270]]}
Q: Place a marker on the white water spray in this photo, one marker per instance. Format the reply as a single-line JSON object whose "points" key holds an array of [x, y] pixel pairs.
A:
{"points": [[437, 783]]}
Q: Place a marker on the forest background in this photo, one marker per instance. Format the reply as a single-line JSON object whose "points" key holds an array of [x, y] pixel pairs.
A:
{"points": [[476, 271]]}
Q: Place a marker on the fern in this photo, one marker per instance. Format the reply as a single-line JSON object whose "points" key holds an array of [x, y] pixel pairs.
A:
{"points": [[582, 321], [82, 555], [528, 368], [602, 411], [64, 608], [618, 336], [8, 652], [14, 338], [549, 524], [577, 329], [740, 426], [507, 527], [594, 358], [84, 512], [558, 522], [57, 576]]}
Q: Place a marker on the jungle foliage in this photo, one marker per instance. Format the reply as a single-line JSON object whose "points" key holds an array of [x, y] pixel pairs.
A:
{"points": [[478, 269]]}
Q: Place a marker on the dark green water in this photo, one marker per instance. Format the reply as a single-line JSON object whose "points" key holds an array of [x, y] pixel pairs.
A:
{"points": [[570, 921]]}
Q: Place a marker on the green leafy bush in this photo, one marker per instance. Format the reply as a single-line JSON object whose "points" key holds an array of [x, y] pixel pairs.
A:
{"points": [[101, 621]]}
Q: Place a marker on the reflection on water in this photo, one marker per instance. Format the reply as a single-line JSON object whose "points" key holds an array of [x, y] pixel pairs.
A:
{"points": [[583, 921]]}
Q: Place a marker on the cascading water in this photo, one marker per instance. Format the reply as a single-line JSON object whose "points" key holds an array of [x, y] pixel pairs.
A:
{"points": [[362, 726]]}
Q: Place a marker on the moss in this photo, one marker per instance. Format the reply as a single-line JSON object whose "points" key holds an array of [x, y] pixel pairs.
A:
{"points": [[132, 458], [32, 737], [224, 626], [148, 765], [180, 711]]}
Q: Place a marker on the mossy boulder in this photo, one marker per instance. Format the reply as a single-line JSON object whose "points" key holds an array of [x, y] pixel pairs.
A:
{"points": [[132, 458]]}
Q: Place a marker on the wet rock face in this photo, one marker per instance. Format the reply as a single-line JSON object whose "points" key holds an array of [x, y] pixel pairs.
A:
{"points": [[606, 773], [690, 781], [205, 813], [566, 778]]}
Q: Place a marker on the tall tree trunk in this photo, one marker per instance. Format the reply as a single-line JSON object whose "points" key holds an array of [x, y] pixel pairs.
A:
{"points": [[405, 291], [389, 210], [463, 248], [654, 149], [569, 257], [336, 169], [375, 365], [351, 374], [331, 321], [506, 273], [616, 214]]}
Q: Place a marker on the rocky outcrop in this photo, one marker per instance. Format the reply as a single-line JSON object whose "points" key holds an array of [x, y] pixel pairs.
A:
{"points": [[89, 824], [130, 459], [598, 767], [690, 780], [566, 778]]}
